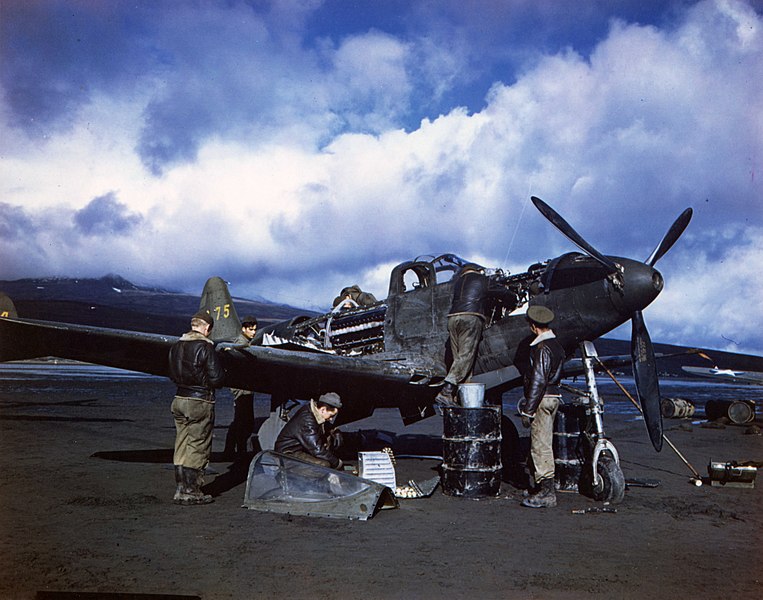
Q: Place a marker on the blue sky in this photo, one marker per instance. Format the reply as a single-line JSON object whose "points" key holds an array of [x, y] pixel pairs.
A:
{"points": [[295, 147]]}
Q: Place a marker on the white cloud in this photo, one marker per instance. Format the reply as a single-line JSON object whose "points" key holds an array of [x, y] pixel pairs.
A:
{"points": [[288, 208]]}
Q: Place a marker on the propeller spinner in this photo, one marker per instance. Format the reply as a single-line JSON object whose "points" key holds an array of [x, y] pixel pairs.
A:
{"points": [[642, 353]]}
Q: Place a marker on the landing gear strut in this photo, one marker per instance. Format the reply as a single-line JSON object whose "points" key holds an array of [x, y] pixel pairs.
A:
{"points": [[602, 477]]}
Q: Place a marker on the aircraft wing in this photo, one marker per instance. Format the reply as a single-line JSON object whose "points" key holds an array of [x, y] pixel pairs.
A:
{"points": [[285, 372], [22, 339], [726, 375]]}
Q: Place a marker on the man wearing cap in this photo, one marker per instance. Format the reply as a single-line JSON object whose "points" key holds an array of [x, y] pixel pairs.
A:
{"points": [[242, 426], [466, 321], [308, 434], [540, 403], [195, 368]]}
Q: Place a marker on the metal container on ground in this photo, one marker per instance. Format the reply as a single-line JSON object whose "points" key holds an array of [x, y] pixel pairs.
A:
{"points": [[568, 444], [676, 408], [736, 411], [471, 395], [471, 451]]}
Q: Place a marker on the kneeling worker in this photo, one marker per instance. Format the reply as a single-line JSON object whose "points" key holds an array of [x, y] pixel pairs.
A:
{"points": [[307, 435]]}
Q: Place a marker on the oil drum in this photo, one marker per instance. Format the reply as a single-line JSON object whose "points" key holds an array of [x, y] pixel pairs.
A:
{"points": [[737, 411], [471, 451], [676, 408], [569, 448]]}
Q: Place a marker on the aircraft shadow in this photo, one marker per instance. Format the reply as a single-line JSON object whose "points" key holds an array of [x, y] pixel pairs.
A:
{"points": [[61, 419]]}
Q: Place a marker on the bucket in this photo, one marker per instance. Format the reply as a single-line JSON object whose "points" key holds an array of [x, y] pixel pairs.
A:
{"points": [[569, 451], [471, 395], [471, 451], [737, 411], [676, 408]]}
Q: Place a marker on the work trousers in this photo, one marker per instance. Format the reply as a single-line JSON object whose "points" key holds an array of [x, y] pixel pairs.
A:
{"points": [[465, 335], [542, 438], [194, 421], [242, 426]]}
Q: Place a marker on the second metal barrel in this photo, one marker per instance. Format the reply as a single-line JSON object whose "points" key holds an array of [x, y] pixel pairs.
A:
{"points": [[569, 454], [737, 411], [471, 451]]}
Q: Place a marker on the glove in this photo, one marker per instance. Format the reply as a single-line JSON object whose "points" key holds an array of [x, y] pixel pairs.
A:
{"points": [[335, 439], [526, 421], [521, 409]]}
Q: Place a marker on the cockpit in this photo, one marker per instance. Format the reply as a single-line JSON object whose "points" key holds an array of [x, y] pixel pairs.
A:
{"points": [[423, 272]]}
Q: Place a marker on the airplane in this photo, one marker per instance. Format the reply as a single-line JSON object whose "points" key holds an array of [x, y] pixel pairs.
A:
{"points": [[394, 353], [726, 375]]}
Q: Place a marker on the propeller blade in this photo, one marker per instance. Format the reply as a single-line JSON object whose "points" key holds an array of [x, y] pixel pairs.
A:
{"points": [[675, 231], [647, 382], [563, 226]]}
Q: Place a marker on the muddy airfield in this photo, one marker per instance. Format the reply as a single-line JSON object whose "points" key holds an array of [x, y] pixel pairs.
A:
{"points": [[86, 512]]}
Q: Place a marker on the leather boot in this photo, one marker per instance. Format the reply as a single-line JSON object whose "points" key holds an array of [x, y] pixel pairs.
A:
{"points": [[191, 493], [545, 498], [445, 396]]}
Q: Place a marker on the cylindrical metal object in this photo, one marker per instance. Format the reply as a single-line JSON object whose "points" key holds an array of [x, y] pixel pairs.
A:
{"points": [[676, 408], [736, 411], [569, 451], [471, 451], [471, 395]]}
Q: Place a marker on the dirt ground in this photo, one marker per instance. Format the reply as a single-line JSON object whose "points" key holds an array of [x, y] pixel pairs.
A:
{"points": [[86, 507]]}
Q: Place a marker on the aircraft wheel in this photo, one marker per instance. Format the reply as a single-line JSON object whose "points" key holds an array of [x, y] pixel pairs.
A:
{"points": [[611, 485]]}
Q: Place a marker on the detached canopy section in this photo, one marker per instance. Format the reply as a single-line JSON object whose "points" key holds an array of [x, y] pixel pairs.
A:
{"points": [[284, 484]]}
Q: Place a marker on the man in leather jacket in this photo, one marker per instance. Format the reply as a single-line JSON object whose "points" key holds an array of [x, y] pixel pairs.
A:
{"points": [[307, 435], [195, 368], [540, 403], [466, 321]]}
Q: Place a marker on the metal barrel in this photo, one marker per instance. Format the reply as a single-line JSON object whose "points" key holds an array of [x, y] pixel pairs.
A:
{"points": [[471, 451], [676, 408], [736, 411], [568, 445]]}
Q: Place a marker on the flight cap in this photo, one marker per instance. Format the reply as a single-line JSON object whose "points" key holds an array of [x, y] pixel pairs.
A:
{"points": [[204, 316], [249, 320], [540, 315], [332, 399]]}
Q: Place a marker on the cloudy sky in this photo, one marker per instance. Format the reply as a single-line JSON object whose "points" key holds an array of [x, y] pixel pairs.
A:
{"points": [[294, 147]]}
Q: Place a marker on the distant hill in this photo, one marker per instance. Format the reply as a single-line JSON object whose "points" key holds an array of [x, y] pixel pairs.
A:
{"points": [[113, 301]]}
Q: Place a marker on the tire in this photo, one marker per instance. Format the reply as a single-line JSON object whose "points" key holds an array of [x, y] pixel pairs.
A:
{"points": [[612, 486]]}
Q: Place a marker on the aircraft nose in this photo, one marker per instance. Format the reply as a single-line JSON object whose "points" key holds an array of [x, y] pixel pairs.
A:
{"points": [[641, 285]]}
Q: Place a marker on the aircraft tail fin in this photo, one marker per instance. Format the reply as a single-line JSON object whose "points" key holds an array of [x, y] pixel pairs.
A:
{"points": [[7, 308], [14, 346], [217, 301]]}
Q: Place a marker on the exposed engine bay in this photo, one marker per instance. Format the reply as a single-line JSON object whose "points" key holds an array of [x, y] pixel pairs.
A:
{"points": [[360, 330]]}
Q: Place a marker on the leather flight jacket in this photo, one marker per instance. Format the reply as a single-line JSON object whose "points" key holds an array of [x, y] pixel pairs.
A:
{"points": [[304, 433], [195, 367], [546, 360], [471, 291]]}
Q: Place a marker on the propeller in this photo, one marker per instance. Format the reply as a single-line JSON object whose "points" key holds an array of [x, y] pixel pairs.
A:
{"points": [[563, 226], [642, 353], [675, 231]]}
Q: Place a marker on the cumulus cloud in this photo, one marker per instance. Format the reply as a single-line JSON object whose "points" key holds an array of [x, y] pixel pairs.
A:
{"points": [[105, 215], [300, 162]]}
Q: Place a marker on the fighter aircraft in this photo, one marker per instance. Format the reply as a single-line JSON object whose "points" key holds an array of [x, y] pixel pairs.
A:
{"points": [[395, 352], [727, 375]]}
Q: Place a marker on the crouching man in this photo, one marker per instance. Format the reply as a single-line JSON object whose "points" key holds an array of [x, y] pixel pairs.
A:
{"points": [[197, 371], [308, 435]]}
